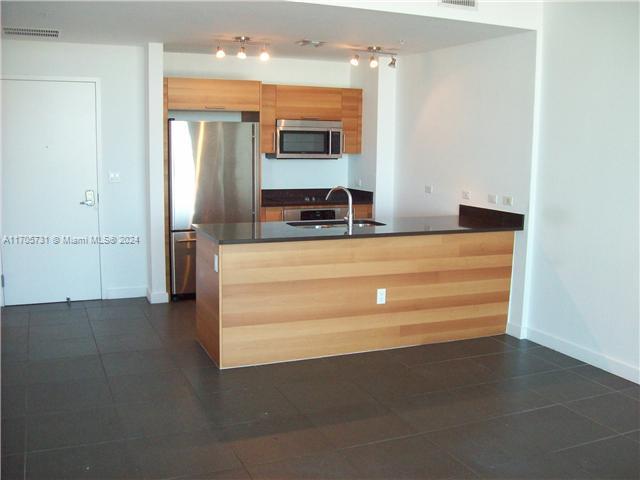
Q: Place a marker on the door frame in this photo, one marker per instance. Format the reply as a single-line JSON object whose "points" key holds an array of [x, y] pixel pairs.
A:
{"points": [[99, 167]]}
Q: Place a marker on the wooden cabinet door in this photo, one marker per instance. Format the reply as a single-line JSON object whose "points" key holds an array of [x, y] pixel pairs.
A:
{"points": [[271, 214], [352, 119], [268, 119], [308, 103], [363, 211], [212, 94]]}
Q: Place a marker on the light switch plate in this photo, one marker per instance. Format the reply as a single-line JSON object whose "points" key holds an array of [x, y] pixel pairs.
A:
{"points": [[381, 296], [216, 263], [466, 195], [428, 189], [507, 200], [493, 198]]}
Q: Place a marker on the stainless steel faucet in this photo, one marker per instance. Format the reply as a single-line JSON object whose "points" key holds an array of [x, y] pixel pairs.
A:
{"points": [[349, 217]]}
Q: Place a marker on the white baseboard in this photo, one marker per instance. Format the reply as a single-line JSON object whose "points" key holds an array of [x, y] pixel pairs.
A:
{"points": [[515, 330], [124, 292], [157, 297], [598, 359]]}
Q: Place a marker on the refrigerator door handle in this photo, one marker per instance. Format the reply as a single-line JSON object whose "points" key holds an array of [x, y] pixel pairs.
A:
{"points": [[256, 173]]}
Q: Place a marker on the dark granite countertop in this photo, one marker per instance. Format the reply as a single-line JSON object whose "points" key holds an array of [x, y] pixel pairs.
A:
{"points": [[312, 197], [470, 220]]}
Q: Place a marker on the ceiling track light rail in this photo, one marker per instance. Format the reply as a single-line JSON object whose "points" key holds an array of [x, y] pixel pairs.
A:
{"points": [[243, 41], [374, 52]]}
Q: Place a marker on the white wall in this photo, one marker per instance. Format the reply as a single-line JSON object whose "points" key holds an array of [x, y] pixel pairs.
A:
{"points": [[467, 125], [386, 152], [275, 173], [362, 167], [583, 274], [373, 169], [121, 71]]}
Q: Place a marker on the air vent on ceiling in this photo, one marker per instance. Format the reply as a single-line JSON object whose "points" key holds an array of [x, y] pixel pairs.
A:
{"points": [[31, 32], [471, 4]]}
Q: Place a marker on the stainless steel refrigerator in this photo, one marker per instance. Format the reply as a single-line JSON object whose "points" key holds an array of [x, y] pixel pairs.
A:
{"points": [[213, 179]]}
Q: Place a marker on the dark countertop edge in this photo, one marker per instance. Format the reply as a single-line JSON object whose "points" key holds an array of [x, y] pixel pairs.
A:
{"points": [[356, 236]]}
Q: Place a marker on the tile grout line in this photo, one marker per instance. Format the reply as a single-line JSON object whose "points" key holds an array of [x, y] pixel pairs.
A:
{"points": [[600, 383], [592, 419], [601, 439]]}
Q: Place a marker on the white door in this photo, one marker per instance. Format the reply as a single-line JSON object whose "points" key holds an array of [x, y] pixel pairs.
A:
{"points": [[49, 166]]}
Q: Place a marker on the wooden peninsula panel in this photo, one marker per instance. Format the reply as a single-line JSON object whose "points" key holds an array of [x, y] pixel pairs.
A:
{"points": [[208, 297], [293, 300]]}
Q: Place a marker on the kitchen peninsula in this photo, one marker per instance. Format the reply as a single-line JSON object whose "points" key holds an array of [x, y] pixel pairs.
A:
{"points": [[273, 292]]}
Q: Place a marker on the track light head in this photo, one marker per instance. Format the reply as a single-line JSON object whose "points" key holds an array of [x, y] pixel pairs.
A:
{"points": [[373, 62], [392, 63], [242, 54], [355, 60], [264, 55], [220, 52]]}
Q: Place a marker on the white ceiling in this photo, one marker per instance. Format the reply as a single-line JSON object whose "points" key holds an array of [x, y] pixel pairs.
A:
{"points": [[195, 26]]}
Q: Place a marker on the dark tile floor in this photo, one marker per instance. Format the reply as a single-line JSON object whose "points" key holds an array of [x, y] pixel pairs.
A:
{"points": [[121, 389]]}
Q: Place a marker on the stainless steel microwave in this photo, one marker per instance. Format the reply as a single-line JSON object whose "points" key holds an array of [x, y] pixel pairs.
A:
{"points": [[308, 139]]}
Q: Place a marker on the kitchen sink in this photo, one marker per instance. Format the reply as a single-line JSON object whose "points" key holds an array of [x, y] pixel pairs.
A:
{"points": [[334, 223]]}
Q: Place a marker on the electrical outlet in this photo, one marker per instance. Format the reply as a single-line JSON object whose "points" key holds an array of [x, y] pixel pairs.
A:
{"points": [[359, 182], [114, 177], [428, 189], [466, 195], [493, 198], [507, 200], [381, 296]]}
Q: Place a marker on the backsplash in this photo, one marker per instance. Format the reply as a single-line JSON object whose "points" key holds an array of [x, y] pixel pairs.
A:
{"points": [[278, 174]]}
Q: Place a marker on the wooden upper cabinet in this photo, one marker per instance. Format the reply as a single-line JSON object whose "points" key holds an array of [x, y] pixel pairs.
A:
{"points": [[308, 103], [268, 119], [211, 94], [352, 119]]}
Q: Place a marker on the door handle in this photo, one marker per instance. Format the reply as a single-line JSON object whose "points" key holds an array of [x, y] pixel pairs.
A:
{"points": [[273, 135], [89, 198]]}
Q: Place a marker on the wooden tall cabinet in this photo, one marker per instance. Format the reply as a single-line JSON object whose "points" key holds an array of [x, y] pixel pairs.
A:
{"points": [[268, 119], [352, 119]]}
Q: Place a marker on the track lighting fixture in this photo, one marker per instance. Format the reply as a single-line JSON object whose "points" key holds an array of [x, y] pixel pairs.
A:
{"points": [[375, 53], [243, 42]]}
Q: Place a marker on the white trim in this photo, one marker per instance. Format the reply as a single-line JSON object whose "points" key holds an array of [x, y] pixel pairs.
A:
{"points": [[598, 359], [156, 256], [515, 330], [157, 297], [533, 182], [124, 292], [49, 78]]}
